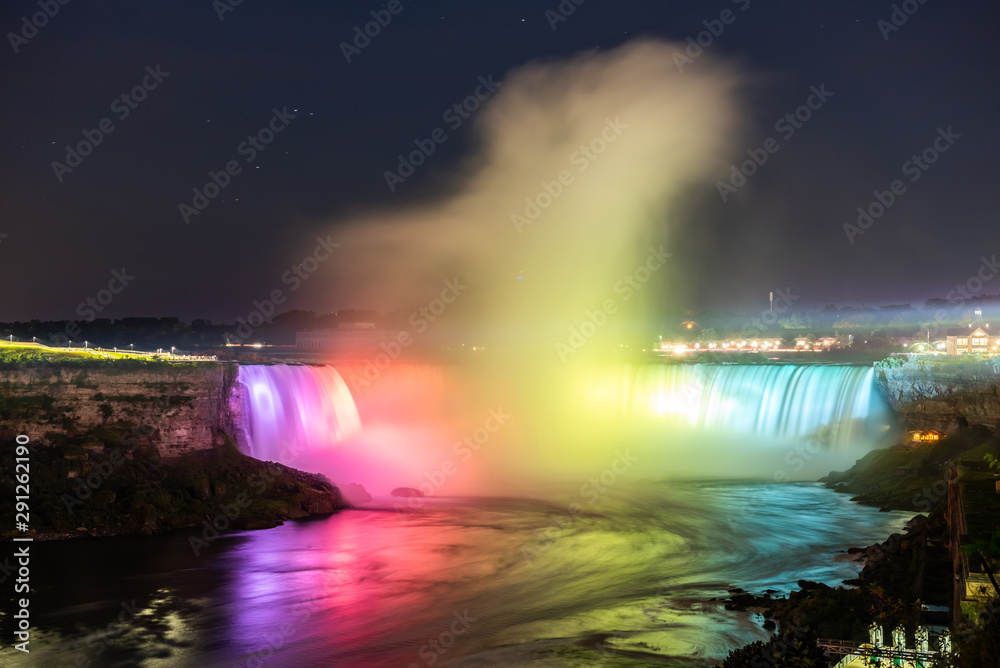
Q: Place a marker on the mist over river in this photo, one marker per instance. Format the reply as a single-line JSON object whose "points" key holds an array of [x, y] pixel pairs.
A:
{"points": [[456, 582]]}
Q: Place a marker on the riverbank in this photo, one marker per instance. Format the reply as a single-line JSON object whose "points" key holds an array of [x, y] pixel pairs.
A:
{"points": [[905, 580], [99, 484]]}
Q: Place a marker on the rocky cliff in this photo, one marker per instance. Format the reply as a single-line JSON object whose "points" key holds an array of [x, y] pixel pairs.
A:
{"points": [[177, 408], [133, 446], [945, 394]]}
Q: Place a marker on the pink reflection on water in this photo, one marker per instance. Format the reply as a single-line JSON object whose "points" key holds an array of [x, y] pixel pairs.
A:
{"points": [[356, 589]]}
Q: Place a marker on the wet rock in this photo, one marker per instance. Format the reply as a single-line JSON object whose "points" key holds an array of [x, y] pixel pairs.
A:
{"points": [[406, 492], [354, 493], [319, 502]]}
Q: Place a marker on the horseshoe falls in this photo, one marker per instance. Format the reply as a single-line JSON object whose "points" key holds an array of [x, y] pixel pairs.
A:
{"points": [[686, 420]]}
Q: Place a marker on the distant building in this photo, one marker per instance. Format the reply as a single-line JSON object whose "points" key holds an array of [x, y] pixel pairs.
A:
{"points": [[976, 338], [353, 337], [926, 436]]}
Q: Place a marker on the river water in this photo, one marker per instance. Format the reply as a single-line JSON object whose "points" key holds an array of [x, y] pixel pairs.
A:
{"points": [[456, 582]]}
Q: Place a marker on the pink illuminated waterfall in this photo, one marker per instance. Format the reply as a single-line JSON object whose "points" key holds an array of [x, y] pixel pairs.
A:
{"points": [[290, 408]]}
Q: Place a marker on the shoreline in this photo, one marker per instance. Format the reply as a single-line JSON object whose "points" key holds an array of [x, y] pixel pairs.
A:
{"points": [[907, 578]]}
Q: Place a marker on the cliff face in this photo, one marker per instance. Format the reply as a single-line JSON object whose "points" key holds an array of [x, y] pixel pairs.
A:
{"points": [[178, 408], [945, 395]]}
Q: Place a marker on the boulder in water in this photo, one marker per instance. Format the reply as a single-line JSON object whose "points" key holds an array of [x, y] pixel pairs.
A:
{"points": [[406, 492], [354, 493]]}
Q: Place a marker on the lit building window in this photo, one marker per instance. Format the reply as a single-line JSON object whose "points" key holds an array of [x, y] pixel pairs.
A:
{"points": [[962, 341]]}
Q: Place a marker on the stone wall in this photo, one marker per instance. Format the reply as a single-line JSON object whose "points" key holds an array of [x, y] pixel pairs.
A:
{"points": [[179, 408]]}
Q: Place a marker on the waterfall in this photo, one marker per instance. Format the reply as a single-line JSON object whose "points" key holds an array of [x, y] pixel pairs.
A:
{"points": [[561, 426], [832, 404], [289, 409]]}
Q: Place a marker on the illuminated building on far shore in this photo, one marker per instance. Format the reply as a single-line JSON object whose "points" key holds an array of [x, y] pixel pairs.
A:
{"points": [[976, 338]]}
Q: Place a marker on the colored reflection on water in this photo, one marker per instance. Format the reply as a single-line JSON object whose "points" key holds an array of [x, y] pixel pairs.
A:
{"points": [[466, 582]]}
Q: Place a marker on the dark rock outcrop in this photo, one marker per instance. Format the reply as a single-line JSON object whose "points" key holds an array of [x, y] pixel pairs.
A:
{"points": [[946, 394], [406, 492]]}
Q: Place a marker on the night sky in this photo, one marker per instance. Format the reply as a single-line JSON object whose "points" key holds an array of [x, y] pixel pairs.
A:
{"points": [[220, 81]]}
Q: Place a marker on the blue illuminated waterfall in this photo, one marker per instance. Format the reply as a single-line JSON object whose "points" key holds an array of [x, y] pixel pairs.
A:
{"points": [[832, 404]]}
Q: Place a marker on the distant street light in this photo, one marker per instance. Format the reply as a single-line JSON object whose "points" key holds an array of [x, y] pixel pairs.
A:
{"points": [[32, 339], [86, 344], [131, 346]]}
